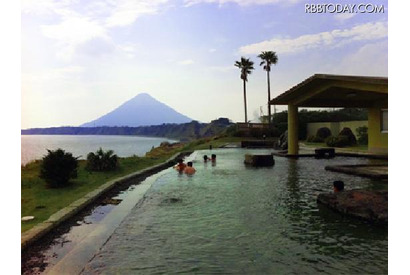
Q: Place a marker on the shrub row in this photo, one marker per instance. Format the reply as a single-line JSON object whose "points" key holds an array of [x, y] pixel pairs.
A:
{"points": [[58, 166], [345, 137]]}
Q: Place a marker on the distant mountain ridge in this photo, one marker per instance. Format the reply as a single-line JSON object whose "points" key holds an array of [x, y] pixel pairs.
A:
{"points": [[184, 131], [141, 110]]}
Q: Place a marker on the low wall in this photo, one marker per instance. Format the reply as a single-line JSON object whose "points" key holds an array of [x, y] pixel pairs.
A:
{"points": [[335, 127]]}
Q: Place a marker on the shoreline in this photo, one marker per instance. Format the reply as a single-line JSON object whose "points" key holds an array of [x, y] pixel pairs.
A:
{"points": [[30, 153]]}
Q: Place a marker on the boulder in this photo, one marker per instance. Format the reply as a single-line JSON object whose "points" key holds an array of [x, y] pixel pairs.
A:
{"points": [[322, 133], [283, 141], [365, 204], [259, 160], [347, 132]]}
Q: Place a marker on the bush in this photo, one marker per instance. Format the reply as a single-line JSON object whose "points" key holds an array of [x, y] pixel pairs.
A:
{"points": [[310, 138], [339, 141], [322, 133], [349, 134], [58, 167], [363, 138], [102, 161], [232, 130], [317, 139]]}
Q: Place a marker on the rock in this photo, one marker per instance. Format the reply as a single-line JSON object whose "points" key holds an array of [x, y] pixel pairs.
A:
{"points": [[283, 141], [365, 204], [111, 201], [325, 153], [322, 133], [259, 160], [349, 134]]}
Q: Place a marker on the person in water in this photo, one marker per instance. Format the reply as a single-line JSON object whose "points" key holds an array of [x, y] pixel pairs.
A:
{"points": [[338, 186], [213, 157], [180, 166], [205, 158], [189, 170]]}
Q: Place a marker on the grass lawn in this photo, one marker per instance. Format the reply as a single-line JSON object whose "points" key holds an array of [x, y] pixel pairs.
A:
{"points": [[41, 202]]}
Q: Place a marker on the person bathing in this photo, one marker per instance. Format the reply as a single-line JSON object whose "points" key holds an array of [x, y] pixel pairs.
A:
{"points": [[189, 170]]}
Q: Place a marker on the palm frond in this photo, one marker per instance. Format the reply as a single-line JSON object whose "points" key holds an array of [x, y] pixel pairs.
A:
{"points": [[246, 66], [268, 58]]}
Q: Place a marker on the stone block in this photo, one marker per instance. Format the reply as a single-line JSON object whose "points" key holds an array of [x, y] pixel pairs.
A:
{"points": [[365, 204], [325, 153], [259, 160]]}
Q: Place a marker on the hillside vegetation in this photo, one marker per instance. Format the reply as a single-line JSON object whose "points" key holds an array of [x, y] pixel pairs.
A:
{"points": [[185, 131]]}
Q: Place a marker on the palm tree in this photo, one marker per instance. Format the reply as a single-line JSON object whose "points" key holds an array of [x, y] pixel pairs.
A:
{"points": [[268, 58], [246, 67]]}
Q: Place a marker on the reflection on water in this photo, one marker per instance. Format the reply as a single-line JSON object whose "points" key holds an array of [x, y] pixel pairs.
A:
{"points": [[232, 219]]}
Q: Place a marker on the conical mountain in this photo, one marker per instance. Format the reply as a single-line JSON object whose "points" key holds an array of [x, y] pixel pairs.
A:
{"points": [[141, 110]]}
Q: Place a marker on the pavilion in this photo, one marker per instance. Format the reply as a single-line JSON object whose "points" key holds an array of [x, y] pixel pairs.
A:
{"points": [[333, 91]]}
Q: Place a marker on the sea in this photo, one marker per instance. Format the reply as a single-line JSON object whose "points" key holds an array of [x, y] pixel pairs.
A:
{"points": [[35, 146]]}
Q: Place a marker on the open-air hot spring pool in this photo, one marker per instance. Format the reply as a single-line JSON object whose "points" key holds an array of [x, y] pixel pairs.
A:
{"points": [[231, 219]]}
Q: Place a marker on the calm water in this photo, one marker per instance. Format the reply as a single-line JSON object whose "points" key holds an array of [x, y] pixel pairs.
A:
{"points": [[230, 219], [35, 146]]}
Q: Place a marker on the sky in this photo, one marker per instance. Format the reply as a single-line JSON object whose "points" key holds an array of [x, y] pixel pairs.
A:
{"points": [[82, 59]]}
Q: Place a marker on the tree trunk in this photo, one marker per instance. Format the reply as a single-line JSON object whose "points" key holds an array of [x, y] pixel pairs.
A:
{"points": [[244, 99], [269, 110]]}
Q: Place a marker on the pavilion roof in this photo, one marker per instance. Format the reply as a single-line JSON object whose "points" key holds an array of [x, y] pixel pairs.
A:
{"points": [[326, 90]]}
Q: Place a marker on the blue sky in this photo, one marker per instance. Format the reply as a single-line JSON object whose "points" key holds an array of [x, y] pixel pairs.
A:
{"points": [[81, 59]]}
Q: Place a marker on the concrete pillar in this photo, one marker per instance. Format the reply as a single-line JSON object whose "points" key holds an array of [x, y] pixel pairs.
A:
{"points": [[293, 146], [378, 141]]}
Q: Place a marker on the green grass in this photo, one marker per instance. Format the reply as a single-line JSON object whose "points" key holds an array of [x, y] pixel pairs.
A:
{"points": [[41, 202]]}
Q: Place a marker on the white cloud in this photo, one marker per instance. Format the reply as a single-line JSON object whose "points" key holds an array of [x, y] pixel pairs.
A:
{"points": [[43, 7], [342, 17], [126, 12], [76, 26], [212, 50], [72, 32], [128, 49], [371, 59], [240, 2], [186, 62], [67, 72], [335, 38]]}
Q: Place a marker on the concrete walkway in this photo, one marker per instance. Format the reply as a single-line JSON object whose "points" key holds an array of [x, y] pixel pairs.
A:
{"points": [[306, 151], [375, 171]]}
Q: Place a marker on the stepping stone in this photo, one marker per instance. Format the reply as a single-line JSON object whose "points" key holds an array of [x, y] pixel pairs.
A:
{"points": [[259, 160]]}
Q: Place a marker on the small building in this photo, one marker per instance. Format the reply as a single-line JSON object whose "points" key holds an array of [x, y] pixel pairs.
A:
{"points": [[247, 128], [340, 91]]}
